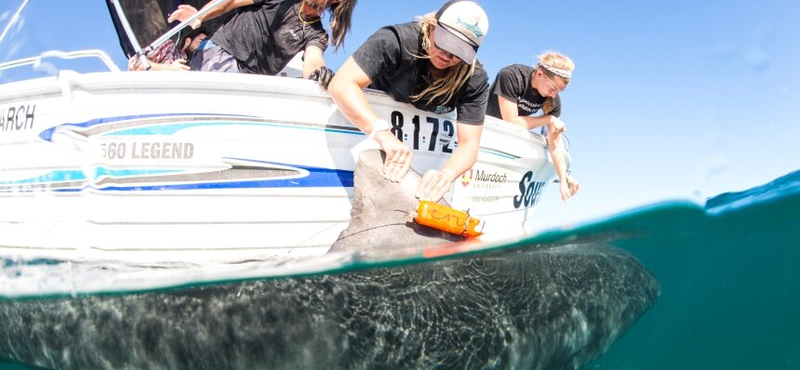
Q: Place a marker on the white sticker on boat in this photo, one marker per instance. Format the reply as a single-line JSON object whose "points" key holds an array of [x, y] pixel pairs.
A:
{"points": [[147, 150], [424, 133]]}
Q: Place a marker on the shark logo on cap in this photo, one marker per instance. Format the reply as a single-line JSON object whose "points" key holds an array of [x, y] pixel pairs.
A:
{"points": [[461, 27], [474, 28]]}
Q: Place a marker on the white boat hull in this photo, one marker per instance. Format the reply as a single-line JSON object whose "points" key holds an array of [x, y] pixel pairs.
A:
{"points": [[206, 166]]}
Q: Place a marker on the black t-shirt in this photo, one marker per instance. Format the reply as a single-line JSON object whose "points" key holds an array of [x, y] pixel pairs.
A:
{"points": [[265, 36], [514, 83], [390, 58]]}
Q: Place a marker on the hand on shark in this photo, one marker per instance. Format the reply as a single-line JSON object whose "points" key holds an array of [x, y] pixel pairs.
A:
{"points": [[434, 185], [383, 211], [398, 156]]}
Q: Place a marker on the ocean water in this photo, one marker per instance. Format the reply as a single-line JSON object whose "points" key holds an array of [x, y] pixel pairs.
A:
{"points": [[728, 271], [730, 282]]}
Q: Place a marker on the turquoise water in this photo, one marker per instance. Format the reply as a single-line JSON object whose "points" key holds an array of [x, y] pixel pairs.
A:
{"points": [[728, 274]]}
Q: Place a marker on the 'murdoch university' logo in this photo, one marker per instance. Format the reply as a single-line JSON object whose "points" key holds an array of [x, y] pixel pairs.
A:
{"points": [[482, 176]]}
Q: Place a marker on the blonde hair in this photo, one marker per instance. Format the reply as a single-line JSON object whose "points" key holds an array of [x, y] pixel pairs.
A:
{"points": [[553, 59], [556, 60], [456, 76]]}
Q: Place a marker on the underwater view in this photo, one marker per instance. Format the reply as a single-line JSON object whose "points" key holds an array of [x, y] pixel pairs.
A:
{"points": [[726, 271], [157, 218]]}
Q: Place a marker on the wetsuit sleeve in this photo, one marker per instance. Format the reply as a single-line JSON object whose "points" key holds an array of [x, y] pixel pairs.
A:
{"points": [[380, 54]]}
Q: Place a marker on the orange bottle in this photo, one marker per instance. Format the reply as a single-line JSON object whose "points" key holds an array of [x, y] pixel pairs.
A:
{"points": [[448, 219]]}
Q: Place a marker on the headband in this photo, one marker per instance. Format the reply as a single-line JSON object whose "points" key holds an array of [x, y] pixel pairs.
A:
{"points": [[558, 71]]}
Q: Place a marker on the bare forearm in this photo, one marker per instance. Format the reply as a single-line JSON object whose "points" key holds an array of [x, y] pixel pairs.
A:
{"points": [[312, 60], [347, 90], [534, 122], [462, 160], [352, 103], [466, 153], [519, 121], [559, 156], [224, 8], [310, 67]]}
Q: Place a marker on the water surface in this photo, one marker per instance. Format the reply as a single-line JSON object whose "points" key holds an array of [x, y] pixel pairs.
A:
{"points": [[728, 274]]}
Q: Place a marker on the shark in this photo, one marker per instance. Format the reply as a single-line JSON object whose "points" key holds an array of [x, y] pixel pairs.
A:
{"points": [[528, 306]]}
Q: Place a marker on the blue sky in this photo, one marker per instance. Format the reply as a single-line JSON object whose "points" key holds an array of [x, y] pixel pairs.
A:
{"points": [[670, 99]]}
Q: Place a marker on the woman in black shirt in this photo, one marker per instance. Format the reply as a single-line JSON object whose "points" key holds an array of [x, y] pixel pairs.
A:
{"points": [[519, 91], [262, 36], [431, 64]]}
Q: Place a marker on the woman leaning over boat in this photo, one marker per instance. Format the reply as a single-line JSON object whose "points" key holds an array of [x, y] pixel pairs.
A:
{"points": [[519, 91], [431, 64], [262, 36]]}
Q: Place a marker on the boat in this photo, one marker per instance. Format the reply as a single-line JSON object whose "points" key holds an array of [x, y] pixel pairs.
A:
{"points": [[193, 167], [184, 219]]}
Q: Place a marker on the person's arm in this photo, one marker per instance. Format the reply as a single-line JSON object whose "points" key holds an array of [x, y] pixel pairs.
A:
{"points": [[177, 65], [567, 186], [185, 12], [347, 90], [508, 109], [435, 184], [312, 60]]}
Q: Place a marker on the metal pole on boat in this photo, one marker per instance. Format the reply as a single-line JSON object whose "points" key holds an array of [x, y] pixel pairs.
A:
{"points": [[13, 20], [182, 25], [131, 35]]}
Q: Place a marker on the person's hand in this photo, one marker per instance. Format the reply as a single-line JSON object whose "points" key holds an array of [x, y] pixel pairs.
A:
{"points": [[323, 76], [177, 65], [183, 13], [557, 126], [563, 188], [568, 188], [134, 64], [398, 156], [574, 186], [434, 185]]}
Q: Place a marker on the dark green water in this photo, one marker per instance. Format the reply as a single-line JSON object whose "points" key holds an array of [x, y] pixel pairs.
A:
{"points": [[729, 275], [730, 283]]}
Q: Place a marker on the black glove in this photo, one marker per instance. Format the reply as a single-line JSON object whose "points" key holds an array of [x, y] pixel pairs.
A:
{"points": [[323, 76]]}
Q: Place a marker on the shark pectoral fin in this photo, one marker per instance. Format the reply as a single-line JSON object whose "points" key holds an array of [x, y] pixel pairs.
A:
{"points": [[383, 211]]}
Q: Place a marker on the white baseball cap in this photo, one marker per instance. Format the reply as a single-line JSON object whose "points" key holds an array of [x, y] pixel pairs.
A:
{"points": [[462, 25]]}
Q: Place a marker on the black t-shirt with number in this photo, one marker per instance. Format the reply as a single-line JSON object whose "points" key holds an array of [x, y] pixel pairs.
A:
{"points": [[391, 59], [265, 36], [514, 83]]}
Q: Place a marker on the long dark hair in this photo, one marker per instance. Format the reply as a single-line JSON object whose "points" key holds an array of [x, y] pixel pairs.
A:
{"points": [[340, 20]]}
